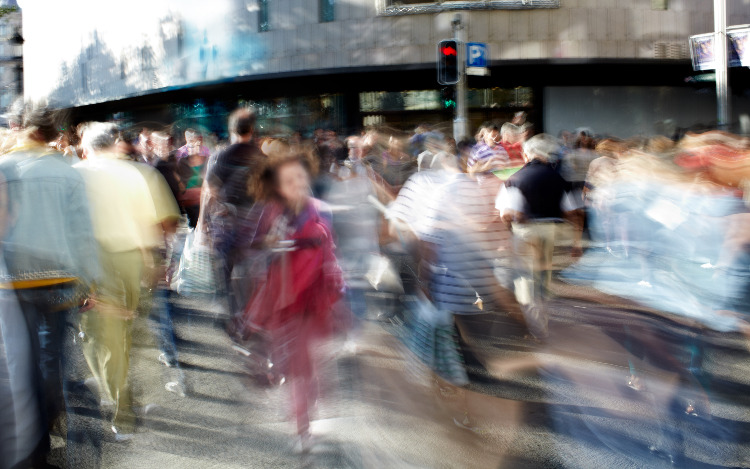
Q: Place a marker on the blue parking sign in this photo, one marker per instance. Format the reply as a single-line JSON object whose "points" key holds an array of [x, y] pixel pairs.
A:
{"points": [[476, 54]]}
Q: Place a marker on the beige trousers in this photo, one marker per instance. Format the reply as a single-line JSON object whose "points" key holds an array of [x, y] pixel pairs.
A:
{"points": [[108, 327], [534, 245]]}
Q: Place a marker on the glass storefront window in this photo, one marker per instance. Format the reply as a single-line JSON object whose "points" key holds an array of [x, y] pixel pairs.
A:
{"points": [[326, 10], [285, 116], [413, 7], [376, 101], [263, 23], [425, 100]]}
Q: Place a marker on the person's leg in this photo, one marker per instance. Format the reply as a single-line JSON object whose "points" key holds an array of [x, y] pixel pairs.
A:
{"points": [[131, 270], [107, 353], [528, 279], [119, 296], [161, 314], [358, 306], [88, 338], [124, 418], [192, 215], [83, 444], [547, 233], [21, 427], [524, 264], [42, 308], [63, 351], [292, 344], [50, 361]]}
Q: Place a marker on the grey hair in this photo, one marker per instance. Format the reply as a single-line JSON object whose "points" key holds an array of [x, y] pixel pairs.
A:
{"points": [[444, 160], [98, 136], [43, 117], [192, 133], [542, 147], [509, 129]]}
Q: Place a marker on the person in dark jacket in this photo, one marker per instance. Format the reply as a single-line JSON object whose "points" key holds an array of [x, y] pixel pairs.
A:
{"points": [[534, 201], [229, 178]]}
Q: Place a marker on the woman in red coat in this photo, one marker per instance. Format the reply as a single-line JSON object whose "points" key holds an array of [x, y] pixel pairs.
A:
{"points": [[293, 304]]}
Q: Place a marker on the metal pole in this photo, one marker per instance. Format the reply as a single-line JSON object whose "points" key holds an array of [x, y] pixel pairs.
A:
{"points": [[723, 113], [460, 123]]}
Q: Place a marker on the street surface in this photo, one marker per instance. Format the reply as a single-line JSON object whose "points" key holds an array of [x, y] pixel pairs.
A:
{"points": [[563, 403]]}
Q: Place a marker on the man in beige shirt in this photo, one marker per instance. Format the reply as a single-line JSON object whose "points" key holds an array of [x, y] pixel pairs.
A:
{"points": [[127, 220]]}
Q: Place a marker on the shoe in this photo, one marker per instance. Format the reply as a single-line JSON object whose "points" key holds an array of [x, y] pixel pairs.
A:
{"points": [[635, 383], [166, 361], [661, 454], [534, 339], [349, 348], [303, 444], [466, 424], [613, 253], [121, 437], [145, 410], [175, 387], [92, 383]]}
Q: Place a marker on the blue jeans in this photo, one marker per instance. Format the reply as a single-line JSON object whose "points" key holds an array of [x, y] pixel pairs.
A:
{"points": [[161, 313], [52, 319]]}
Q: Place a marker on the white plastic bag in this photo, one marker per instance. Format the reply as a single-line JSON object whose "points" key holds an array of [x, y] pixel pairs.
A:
{"points": [[196, 275]]}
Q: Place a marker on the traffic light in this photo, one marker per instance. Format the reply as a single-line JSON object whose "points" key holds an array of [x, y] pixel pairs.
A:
{"points": [[448, 97], [448, 69]]}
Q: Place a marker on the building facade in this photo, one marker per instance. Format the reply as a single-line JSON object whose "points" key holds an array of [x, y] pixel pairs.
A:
{"points": [[11, 55], [620, 65]]}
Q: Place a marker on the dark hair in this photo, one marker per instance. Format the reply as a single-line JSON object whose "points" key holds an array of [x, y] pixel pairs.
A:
{"points": [[266, 184], [464, 144], [242, 121]]}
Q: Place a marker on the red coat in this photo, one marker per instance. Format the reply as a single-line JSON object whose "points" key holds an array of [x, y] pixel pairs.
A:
{"points": [[306, 281]]}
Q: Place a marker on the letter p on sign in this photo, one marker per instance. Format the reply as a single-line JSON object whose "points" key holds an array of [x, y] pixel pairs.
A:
{"points": [[476, 55]]}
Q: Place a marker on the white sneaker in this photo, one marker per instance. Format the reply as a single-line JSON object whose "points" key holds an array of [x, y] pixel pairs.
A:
{"points": [[303, 444], [175, 387], [92, 383], [121, 437], [350, 347], [163, 360], [146, 409]]}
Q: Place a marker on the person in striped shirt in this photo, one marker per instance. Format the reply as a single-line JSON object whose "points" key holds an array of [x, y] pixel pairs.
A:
{"points": [[489, 147]]}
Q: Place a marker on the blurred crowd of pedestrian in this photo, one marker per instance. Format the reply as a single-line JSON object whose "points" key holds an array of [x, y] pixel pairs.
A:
{"points": [[301, 240]]}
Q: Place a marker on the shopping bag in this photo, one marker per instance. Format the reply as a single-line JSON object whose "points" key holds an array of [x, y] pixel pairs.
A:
{"points": [[433, 340], [383, 276], [196, 274]]}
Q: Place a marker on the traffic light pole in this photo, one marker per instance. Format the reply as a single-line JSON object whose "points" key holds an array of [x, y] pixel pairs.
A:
{"points": [[723, 113], [460, 122]]}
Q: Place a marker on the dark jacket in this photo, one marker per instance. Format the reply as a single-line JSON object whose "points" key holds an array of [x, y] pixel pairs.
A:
{"points": [[542, 188]]}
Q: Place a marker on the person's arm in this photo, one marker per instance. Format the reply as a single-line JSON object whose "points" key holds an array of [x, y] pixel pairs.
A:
{"points": [[510, 203], [572, 207], [80, 234]]}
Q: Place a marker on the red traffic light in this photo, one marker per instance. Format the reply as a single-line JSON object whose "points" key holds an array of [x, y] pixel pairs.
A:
{"points": [[449, 69], [448, 50]]}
